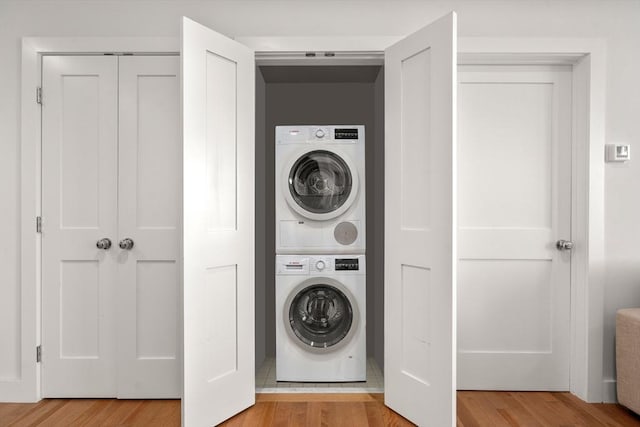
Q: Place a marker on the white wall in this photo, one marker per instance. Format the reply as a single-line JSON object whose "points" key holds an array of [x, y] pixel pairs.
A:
{"points": [[615, 21]]}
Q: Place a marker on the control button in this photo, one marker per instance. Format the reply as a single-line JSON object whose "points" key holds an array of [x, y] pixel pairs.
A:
{"points": [[319, 133], [320, 265]]}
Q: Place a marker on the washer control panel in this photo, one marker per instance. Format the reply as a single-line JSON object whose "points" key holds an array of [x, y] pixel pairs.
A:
{"points": [[346, 133], [305, 265], [320, 264], [340, 134], [347, 264], [292, 265]]}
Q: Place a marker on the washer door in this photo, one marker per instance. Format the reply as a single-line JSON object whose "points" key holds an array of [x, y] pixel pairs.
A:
{"points": [[321, 314], [321, 184]]}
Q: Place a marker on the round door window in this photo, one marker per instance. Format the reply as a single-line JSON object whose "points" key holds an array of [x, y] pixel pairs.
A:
{"points": [[320, 181], [320, 315]]}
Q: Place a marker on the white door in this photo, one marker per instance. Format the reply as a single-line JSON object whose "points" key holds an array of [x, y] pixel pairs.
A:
{"points": [[79, 207], [420, 243], [218, 81], [514, 204], [111, 169], [149, 199]]}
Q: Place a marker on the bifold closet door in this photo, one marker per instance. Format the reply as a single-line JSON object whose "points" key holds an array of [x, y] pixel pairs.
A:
{"points": [[149, 210], [111, 169], [79, 207]]}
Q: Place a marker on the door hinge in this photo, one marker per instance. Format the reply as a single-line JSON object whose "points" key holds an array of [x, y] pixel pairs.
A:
{"points": [[39, 95], [39, 354], [38, 224]]}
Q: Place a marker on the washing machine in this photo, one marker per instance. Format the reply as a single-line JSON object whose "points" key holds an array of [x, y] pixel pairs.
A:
{"points": [[320, 189], [320, 318]]}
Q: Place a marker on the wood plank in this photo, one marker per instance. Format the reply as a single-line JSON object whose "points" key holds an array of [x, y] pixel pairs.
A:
{"points": [[475, 409]]}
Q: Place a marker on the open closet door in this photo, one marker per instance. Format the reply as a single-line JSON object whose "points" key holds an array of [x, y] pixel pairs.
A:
{"points": [[420, 239], [218, 136]]}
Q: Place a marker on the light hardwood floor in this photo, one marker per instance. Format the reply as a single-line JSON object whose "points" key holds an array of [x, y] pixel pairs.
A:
{"points": [[491, 409]]}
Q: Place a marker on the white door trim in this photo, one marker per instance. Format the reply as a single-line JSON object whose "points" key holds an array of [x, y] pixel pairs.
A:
{"points": [[587, 185], [588, 58]]}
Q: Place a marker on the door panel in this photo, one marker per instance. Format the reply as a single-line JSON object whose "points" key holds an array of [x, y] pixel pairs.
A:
{"points": [[149, 213], [79, 207], [514, 198], [420, 218], [218, 123]]}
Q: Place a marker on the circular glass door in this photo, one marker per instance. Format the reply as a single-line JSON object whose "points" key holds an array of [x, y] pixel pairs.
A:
{"points": [[320, 315], [320, 182]]}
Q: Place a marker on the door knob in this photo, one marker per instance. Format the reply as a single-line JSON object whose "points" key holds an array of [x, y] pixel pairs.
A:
{"points": [[126, 244], [103, 244], [564, 245]]}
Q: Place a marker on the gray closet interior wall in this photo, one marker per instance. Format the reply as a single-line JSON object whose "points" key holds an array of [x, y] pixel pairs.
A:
{"points": [[318, 95]]}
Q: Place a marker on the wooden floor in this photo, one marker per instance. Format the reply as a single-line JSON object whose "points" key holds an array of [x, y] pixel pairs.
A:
{"points": [[492, 409]]}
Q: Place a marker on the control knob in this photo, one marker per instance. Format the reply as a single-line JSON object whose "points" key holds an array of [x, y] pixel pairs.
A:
{"points": [[320, 265], [319, 133]]}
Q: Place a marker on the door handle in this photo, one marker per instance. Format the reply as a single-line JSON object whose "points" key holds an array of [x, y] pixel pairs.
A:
{"points": [[126, 244], [103, 243], [564, 245]]}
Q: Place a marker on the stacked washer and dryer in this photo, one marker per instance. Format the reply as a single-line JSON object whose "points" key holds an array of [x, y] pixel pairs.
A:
{"points": [[320, 247]]}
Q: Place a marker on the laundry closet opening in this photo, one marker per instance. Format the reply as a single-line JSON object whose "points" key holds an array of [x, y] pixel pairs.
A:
{"points": [[321, 95]]}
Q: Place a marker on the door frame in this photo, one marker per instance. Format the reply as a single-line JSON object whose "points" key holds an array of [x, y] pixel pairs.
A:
{"points": [[587, 57], [587, 218], [28, 387]]}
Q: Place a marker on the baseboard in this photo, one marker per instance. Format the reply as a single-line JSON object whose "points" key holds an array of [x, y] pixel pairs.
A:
{"points": [[14, 392], [609, 394]]}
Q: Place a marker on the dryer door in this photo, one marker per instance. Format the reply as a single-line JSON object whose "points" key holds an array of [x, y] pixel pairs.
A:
{"points": [[322, 316], [321, 184]]}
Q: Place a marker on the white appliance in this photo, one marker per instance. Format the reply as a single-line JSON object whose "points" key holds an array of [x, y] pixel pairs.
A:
{"points": [[320, 318], [320, 189]]}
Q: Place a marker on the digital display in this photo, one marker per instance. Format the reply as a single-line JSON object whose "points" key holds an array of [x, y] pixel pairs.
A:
{"points": [[346, 134], [347, 264]]}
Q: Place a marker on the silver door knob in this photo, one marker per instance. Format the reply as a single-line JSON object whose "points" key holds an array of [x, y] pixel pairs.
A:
{"points": [[103, 244], [126, 244], [564, 245]]}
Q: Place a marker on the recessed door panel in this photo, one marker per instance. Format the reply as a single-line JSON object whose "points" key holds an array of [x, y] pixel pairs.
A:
{"points": [[416, 140], [506, 129], [156, 309], [79, 309], [157, 104], [220, 307], [416, 324], [221, 142], [491, 291], [80, 150]]}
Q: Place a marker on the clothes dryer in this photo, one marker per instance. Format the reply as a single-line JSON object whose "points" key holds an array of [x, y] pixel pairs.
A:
{"points": [[320, 318], [320, 189]]}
